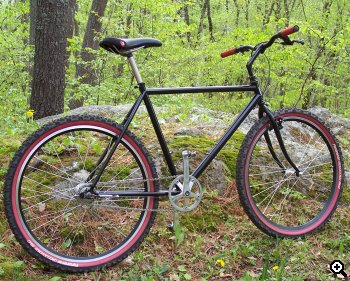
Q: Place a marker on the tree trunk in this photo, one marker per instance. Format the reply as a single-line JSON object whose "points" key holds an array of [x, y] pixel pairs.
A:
{"points": [[278, 10], [200, 27], [247, 4], [71, 21], [128, 22], [32, 15], [268, 12], [84, 71], [237, 12], [51, 30], [206, 10], [210, 22], [187, 21]]}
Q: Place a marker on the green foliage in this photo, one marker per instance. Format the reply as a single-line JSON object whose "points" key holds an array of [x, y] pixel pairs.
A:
{"points": [[309, 75], [14, 53], [9, 269]]}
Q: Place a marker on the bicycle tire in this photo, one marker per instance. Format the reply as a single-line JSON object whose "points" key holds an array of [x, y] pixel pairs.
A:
{"points": [[44, 210], [277, 201]]}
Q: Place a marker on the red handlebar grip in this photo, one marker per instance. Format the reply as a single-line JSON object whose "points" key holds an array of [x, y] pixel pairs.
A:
{"points": [[228, 53], [289, 30]]}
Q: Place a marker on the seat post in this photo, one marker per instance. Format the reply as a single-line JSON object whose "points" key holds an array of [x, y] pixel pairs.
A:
{"points": [[134, 68]]}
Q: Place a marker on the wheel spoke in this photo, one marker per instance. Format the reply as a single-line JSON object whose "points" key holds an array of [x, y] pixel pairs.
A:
{"points": [[55, 207]]}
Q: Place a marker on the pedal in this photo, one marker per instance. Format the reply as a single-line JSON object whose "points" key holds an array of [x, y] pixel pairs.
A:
{"points": [[176, 220], [171, 226], [188, 153]]}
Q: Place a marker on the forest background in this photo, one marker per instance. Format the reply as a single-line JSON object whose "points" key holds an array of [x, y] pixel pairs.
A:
{"points": [[193, 34]]}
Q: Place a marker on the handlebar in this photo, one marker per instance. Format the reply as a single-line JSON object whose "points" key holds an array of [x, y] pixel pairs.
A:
{"points": [[240, 49], [230, 52], [282, 34], [288, 31]]}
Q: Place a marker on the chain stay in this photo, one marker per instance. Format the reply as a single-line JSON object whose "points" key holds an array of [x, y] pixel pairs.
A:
{"points": [[141, 209]]}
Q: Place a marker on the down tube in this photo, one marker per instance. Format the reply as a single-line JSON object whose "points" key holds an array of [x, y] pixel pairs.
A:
{"points": [[212, 154]]}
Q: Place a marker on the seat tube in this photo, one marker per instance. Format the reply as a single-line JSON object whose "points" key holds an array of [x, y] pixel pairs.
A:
{"points": [[135, 69]]}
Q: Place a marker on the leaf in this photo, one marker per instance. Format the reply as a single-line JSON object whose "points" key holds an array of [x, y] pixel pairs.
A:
{"points": [[182, 268], [55, 278], [188, 276], [179, 234], [98, 147], [59, 150], [99, 249], [19, 265], [174, 277], [67, 215], [2, 245], [67, 142], [66, 244]]}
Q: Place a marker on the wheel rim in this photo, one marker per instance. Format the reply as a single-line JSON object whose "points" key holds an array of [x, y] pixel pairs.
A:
{"points": [[86, 232], [286, 203]]}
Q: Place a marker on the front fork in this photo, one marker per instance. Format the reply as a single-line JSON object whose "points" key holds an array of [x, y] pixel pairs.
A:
{"points": [[276, 125]]}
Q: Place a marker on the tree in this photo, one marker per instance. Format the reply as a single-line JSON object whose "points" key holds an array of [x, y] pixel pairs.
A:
{"points": [[206, 9], [33, 11], [84, 71], [51, 31]]}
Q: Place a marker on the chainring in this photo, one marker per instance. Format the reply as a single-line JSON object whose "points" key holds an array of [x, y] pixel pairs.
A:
{"points": [[185, 202]]}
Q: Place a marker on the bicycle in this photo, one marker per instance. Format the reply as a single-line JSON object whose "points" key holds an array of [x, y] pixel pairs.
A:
{"points": [[82, 192]]}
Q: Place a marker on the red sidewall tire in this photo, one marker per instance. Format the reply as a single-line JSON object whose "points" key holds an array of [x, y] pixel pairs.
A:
{"points": [[43, 253]]}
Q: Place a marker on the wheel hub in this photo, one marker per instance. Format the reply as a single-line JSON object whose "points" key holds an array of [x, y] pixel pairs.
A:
{"points": [[289, 172]]}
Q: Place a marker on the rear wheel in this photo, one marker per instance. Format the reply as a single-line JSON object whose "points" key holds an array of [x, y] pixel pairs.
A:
{"points": [[277, 200], [42, 200]]}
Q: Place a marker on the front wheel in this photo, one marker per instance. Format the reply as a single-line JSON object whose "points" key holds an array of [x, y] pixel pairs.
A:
{"points": [[278, 200], [43, 188]]}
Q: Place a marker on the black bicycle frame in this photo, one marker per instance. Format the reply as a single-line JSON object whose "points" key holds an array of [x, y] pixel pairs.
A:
{"points": [[145, 97]]}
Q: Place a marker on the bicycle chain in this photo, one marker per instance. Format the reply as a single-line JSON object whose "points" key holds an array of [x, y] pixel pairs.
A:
{"points": [[143, 209]]}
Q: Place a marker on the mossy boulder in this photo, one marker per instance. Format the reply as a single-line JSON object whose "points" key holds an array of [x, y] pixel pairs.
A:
{"points": [[222, 169]]}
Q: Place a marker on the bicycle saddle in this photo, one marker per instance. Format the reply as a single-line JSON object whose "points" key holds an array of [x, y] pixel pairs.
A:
{"points": [[127, 46]]}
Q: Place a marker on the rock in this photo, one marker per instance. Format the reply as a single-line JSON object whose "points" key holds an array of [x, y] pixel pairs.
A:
{"points": [[251, 119], [109, 111], [197, 122], [339, 125], [321, 112], [185, 131], [217, 176], [347, 177]]}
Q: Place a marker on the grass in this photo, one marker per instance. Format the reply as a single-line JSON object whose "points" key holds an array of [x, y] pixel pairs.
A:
{"points": [[216, 241]]}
